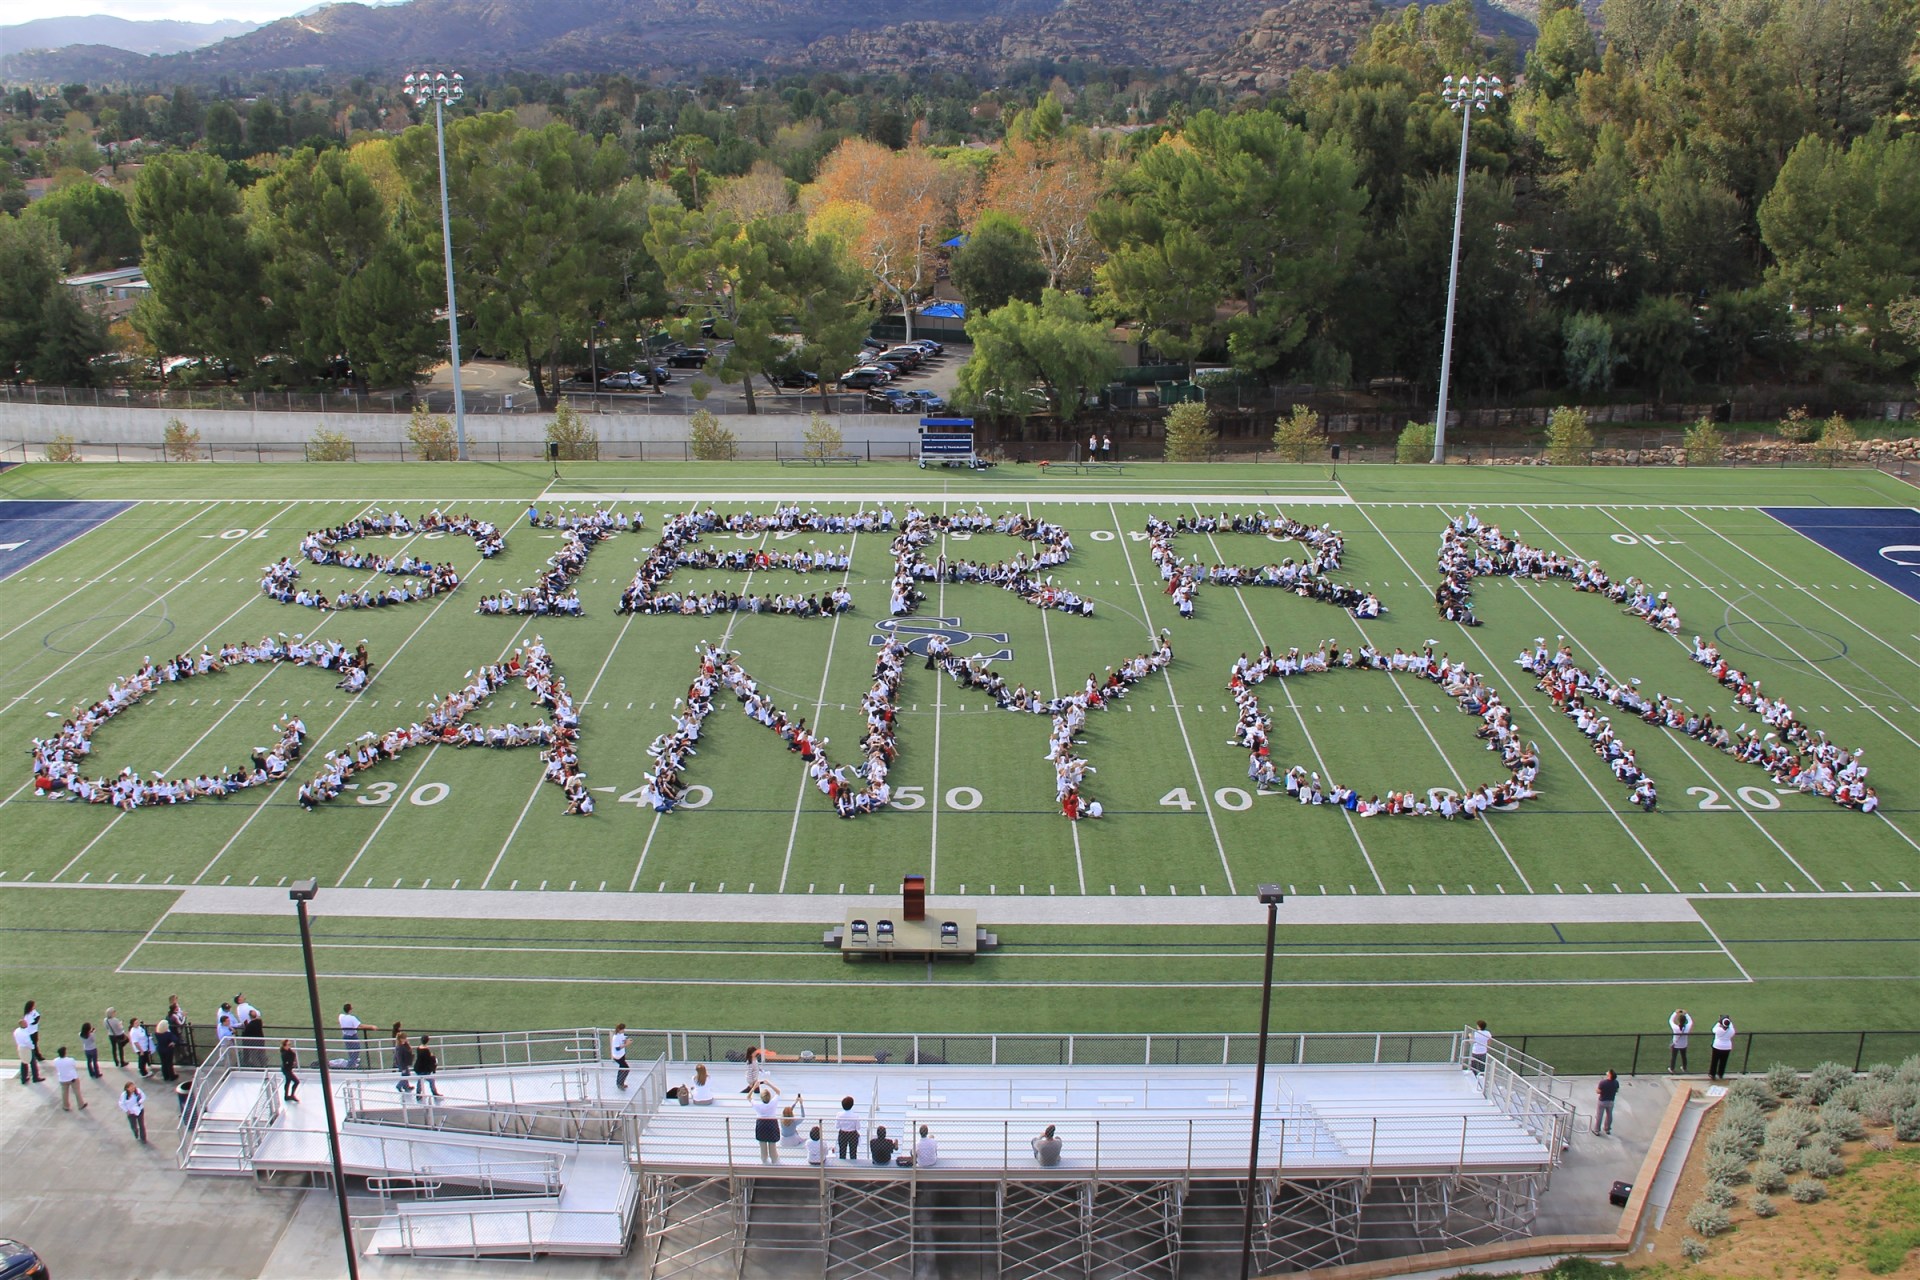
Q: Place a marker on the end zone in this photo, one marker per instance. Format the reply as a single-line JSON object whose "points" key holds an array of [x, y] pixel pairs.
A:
{"points": [[1884, 541], [31, 530]]}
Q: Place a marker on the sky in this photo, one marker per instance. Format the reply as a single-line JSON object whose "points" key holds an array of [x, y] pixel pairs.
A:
{"points": [[138, 10]]}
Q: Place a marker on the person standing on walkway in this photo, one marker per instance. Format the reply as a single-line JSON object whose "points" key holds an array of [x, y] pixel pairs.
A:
{"points": [[426, 1065], [617, 1045], [289, 1082], [403, 1061], [1681, 1024], [116, 1036], [90, 1046], [142, 1047], [23, 1045], [134, 1103], [67, 1072], [1723, 1033], [1477, 1048], [31, 1016], [1605, 1092], [350, 1032], [167, 1044]]}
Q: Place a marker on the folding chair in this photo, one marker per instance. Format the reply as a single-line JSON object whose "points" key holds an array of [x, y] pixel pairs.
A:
{"points": [[949, 933], [883, 933], [857, 930]]}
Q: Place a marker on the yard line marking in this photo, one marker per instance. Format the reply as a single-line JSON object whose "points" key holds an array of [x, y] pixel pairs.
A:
{"points": [[1146, 617], [1286, 686], [1697, 763], [820, 702], [122, 966], [1521, 700], [1053, 678], [228, 549], [198, 515]]}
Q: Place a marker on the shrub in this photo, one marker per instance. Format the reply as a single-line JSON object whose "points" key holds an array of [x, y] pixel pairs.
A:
{"points": [[1710, 1219], [1704, 444], [1792, 1125], [1909, 1070], [1769, 1176], [1761, 1206], [1841, 1121], [1726, 1166], [1786, 1155], [1822, 1163], [577, 439], [1795, 426], [1569, 439], [1762, 1095], [1298, 437], [707, 439], [1190, 433], [432, 438], [1808, 1191], [1837, 435], [329, 446], [1415, 443], [62, 448], [1693, 1248], [1577, 1268], [1883, 1072], [1881, 1142], [1720, 1194], [1906, 1124], [1824, 1081], [1878, 1106], [181, 441], [1782, 1079], [823, 439]]}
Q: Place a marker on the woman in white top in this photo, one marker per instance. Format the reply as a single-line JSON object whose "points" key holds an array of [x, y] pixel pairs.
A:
{"points": [[134, 1103], [816, 1147], [766, 1125], [1681, 1025], [926, 1152], [1723, 1033], [702, 1087]]}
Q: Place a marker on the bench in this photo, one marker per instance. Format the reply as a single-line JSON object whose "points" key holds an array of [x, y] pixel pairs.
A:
{"points": [[1088, 468], [830, 460]]}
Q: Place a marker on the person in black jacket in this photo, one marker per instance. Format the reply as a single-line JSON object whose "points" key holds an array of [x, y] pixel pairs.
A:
{"points": [[882, 1147], [1605, 1092]]}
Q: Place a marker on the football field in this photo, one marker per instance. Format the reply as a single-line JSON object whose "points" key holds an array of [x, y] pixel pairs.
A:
{"points": [[457, 892]]}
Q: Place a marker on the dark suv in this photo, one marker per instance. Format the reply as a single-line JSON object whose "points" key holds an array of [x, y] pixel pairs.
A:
{"points": [[689, 358]]}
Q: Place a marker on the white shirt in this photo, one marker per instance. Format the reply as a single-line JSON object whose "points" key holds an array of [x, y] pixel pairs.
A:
{"points": [[133, 1103], [1481, 1039], [619, 1044], [1723, 1033], [926, 1153], [66, 1070], [349, 1026], [23, 1041]]}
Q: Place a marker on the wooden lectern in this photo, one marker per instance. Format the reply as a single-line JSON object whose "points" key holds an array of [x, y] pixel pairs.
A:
{"points": [[913, 898]]}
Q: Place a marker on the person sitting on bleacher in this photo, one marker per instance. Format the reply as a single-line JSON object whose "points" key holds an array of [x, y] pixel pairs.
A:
{"points": [[882, 1147], [1046, 1149]]}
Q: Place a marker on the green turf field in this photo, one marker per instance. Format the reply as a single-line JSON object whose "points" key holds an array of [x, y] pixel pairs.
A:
{"points": [[1788, 910]]}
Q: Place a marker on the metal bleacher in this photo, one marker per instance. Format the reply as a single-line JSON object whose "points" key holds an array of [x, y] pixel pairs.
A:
{"points": [[534, 1149]]}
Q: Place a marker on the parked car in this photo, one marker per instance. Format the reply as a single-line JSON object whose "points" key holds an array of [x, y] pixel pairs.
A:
{"points": [[795, 379], [892, 400], [636, 379], [893, 367], [690, 358], [19, 1262], [929, 402], [865, 377], [929, 346], [872, 343]]}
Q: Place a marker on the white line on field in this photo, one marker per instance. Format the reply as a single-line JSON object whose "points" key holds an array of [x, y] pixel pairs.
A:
{"points": [[103, 574]]}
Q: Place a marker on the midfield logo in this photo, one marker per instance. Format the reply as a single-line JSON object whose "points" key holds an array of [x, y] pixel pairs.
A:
{"points": [[915, 632]]}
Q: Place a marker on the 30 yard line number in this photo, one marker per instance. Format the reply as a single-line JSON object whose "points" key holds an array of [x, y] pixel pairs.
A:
{"points": [[424, 795]]}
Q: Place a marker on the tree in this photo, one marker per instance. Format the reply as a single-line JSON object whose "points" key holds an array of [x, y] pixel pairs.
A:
{"points": [[325, 445], [1569, 440], [1658, 339], [1298, 436], [762, 192], [1415, 443], [225, 137], [342, 281], [577, 439], [707, 440], [206, 298], [544, 231], [180, 441], [1704, 443], [1048, 181], [1190, 433], [266, 129], [1276, 213], [1590, 359], [822, 438], [432, 437], [71, 338], [903, 199], [31, 257], [1058, 343], [999, 262], [1837, 436], [829, 306], [93, 222]]}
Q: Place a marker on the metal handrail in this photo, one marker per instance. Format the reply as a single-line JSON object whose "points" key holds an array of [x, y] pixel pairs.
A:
{"points": [[207, 1079]]}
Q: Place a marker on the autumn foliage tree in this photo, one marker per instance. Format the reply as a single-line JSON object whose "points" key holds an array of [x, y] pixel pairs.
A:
{"points": [[888, 208], [1049, 180]]}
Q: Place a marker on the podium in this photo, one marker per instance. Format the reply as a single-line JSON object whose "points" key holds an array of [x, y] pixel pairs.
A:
{"points": [[913, 898]]}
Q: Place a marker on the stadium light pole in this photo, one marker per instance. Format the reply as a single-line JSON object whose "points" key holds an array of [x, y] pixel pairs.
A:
{"points": [[302, 892], [1465, 95], [439, 88], [1271, 898]]}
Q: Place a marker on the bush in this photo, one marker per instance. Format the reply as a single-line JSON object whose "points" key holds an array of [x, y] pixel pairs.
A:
{"points": [[1710, 1219], [1569, 439], [1767, 1175], [1906, 1124], [1693, 1248], [1785, 1155], [1795, 1124], [1704, 443], [1720, 1194], [1837, 435], [182, 442], [1782, 1079], [432, 438], [1841, 1121], [1808, 1191], [1761, 1206], [1881, 1142], [1190, 433], [823, 438], [1880, 1103], [1762, 1095], [1298, 437], [1577, 1268], [329, 446], [1822, 1163], [707, 439], [1726, 1166], [62, 448], [1415, 444], [577, 439], [1795, 426], [1824, 1081]]}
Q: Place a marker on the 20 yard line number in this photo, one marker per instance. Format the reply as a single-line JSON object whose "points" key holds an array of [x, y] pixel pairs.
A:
{"points": [[1758, 797]]}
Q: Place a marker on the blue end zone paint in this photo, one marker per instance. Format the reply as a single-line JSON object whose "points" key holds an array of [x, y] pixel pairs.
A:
{"points": [[1885, 541], [40, 528]]}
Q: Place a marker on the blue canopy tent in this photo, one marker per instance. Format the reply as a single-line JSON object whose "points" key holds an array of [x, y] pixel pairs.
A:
{"points": [[945, 310], [954, 243]]}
